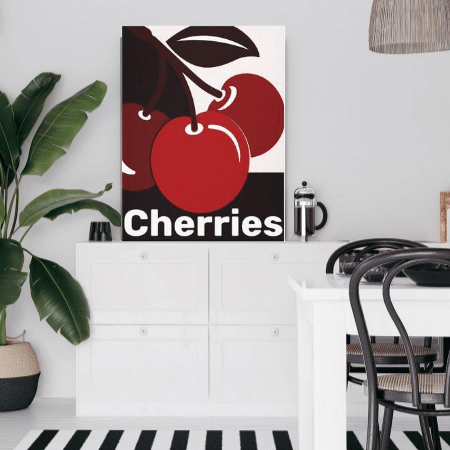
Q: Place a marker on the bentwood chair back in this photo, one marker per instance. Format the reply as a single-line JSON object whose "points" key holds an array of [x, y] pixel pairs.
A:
{"points": [[423, 390], [366, 245], [391, 357]]}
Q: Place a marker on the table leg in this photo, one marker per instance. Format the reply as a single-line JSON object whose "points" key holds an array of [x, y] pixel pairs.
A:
{"points": [[305, 375], [322, 375], [329, 376]]}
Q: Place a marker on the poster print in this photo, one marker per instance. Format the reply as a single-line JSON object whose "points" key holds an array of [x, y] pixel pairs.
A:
{"points": [[203, 133]]}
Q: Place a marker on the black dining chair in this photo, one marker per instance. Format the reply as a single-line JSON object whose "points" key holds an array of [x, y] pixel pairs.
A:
{"points": [[389, 355], [423, 391]]}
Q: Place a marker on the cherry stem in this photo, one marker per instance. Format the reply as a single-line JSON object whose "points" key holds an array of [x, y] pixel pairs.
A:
{"points": [[181, 71], [192, 76], [160, 85], [179, 66], [191, 104]]}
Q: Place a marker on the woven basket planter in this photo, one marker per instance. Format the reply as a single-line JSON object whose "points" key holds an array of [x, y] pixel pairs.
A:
{"points": [[19, 375]]}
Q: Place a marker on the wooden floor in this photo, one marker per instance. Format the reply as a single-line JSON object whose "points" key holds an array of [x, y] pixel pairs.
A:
{"points": [[60, 414]]}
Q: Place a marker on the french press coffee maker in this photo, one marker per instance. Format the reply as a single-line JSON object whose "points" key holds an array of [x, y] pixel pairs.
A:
{"points": [[304, 212]]}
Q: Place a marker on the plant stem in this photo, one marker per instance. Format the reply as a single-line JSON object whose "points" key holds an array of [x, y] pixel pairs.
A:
{"points": [[8, 215], [5, 198], [2, 192], [16, 211], [2, 180], [6, 188], [24, 234], [3, 326]]}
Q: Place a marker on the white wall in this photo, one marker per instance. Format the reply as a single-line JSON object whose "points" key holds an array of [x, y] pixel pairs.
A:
{"points": [[368, 132]]}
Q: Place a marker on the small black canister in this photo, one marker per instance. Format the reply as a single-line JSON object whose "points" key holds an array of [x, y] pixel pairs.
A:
{"points": [[100, 231]]}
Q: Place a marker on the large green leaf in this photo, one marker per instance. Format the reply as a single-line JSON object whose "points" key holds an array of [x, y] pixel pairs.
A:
{"points": [[11, 255], [60, 126], [110, 213], [10, 293], [11, 277], [11, 281], [9, 140], [59, 299], [28, 105], [50, 200]]}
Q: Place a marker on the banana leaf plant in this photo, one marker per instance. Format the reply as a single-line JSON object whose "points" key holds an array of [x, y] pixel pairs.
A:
{"points": [[58, 297]]}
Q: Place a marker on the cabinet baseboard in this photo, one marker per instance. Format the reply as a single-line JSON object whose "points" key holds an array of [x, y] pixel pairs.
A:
{"points": [[123, 409]]}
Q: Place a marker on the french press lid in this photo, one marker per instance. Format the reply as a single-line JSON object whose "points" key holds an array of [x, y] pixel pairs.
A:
{"points": [[304, 195]]}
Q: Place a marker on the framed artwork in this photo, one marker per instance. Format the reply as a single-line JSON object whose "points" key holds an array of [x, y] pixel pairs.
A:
{"points": [[444, 210], [203, 133]]}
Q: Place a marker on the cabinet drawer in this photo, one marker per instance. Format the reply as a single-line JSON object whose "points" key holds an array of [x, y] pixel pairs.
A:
{"points": [[145, 284], [126, 363], [253, 363], [248, 285]]}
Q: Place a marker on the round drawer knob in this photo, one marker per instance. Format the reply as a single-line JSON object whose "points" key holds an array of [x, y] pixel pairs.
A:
{"points": [[275, 332], [143, 256], [274, 256], [143, 331]]}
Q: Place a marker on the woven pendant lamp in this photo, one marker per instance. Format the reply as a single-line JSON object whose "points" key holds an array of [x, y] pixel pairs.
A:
{"points": [[409, 26]]}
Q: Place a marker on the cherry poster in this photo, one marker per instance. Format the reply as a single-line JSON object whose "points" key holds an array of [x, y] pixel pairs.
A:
{"points": [[203, 133]]}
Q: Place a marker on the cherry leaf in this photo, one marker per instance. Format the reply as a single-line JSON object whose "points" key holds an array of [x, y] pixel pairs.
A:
{"points": [[212, 46]]}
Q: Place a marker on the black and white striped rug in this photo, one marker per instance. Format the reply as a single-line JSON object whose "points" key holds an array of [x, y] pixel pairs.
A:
{"points": [[157, 440], [407, 440], [198, 440]]}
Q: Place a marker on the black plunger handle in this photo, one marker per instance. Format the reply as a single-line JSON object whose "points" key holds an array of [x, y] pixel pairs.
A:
{"points": [[324, 215]]}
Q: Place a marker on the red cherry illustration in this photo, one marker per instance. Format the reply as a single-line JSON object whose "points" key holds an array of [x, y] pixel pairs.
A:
{"points": [[138, 134], [256, 106], [204, 170]]}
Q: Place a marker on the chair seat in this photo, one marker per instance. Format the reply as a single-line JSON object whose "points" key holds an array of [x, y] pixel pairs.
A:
{"points": [[397, 387], [389, 353]]}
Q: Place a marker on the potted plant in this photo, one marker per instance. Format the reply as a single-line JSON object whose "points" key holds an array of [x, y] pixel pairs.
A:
{"points": [[58, 297]]}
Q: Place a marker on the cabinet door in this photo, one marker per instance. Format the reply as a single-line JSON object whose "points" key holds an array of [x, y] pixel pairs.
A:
{"points": [[135, 364], [248, 284], [134, 284], [253, 364]]}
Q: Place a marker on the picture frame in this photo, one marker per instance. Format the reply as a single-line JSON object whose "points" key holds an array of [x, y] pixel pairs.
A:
{"points": [[203, 133], [444, 209]]}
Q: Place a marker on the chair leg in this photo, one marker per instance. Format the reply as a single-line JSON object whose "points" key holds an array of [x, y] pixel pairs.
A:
{"points": [[373, 428], [426, 435], [386, 428], [434, 429], [348, 372], [376, 440]]}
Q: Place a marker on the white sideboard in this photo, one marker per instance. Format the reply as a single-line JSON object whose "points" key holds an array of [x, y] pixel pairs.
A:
{"points": [[191, 329]]}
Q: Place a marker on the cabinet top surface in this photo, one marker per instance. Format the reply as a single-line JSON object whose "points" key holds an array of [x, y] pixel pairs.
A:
{"points": [[290, 244], [207, 244]]}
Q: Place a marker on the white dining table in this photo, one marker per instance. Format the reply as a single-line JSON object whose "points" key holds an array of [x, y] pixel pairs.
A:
{"points": [[324, 317]]}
